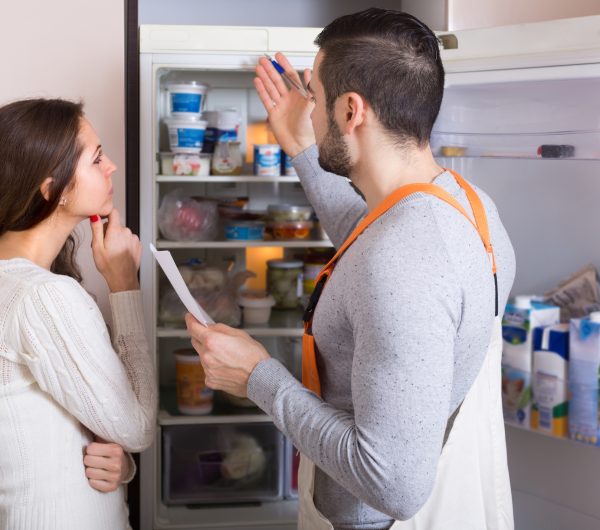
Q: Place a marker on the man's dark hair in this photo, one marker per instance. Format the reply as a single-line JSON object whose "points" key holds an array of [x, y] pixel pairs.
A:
{"points": [[392, 60]]}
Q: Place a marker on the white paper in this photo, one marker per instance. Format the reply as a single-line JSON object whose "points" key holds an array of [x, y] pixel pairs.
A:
{"points": [[165, 260]]}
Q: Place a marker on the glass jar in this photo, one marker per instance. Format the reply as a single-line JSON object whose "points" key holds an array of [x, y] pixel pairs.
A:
{"points": [[227, 159], [284, 282]]}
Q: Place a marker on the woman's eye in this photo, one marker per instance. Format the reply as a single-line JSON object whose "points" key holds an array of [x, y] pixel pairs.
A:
{"points": [[99, 159]]}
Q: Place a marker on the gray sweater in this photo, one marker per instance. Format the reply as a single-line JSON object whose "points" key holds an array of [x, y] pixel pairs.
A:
{"points": [[402, 328]]}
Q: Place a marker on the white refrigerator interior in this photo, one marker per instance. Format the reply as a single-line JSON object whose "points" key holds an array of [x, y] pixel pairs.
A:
{"points": [[509, 91]]}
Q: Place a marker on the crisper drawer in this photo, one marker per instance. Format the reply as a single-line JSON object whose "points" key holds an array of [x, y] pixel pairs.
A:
{"points": [[222, 463]]}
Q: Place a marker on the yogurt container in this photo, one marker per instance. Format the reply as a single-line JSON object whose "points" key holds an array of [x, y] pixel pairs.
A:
{"points": [[211, 136], [256, 307], [244, 230], [193, 396], [186, 135], [228, 123], [286, 165], [186, 99], [267, 160]]}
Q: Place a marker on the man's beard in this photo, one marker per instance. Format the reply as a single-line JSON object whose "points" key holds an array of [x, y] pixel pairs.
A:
{"points": [[333, 151]]}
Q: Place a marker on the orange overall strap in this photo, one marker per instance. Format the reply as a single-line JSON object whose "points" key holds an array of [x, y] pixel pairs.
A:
{"points": [[310, 374]]}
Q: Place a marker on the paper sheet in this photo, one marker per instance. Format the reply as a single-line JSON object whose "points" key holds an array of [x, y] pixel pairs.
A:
{"points": [[165, 260]]}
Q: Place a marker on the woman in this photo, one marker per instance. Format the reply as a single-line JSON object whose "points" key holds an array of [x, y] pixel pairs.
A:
{"points": [[61, 382]]}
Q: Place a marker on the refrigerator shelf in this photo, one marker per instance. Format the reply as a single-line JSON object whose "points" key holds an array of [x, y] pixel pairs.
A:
{"points": [[246, 179], [551, 436], [283, 323], [279, 515], [166, 418], [163, 244]]}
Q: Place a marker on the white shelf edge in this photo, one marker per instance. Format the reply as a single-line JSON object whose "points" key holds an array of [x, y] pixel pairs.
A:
{"points": [[217, 178], [548, 435], [163, 244], [164, 418]]}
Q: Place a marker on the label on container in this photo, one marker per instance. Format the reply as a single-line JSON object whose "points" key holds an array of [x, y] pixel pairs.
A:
{"points": [[210, 139], [227, 135], [182, 102], [516, 395], [192, 391], [182, 137], [267, 160]]}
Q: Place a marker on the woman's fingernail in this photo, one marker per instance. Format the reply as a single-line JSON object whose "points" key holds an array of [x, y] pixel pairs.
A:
{"points": [[94, 218]]}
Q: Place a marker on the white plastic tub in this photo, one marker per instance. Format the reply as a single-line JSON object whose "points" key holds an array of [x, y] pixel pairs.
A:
{"points": [[186, 135], [256, 307], [186, 99]]}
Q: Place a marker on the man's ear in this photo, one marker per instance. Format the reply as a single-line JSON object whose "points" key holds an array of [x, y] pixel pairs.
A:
{"points": [[45, 187], [352, 111]]}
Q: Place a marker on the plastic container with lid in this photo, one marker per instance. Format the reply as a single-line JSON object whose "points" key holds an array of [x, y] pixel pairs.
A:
{"points": [[186, 99], [267, 160], [256, 306], [289, 212], [292, 230], [182, 164], [193, 396], [228, 124], [244, 230], [284, 282], [186, 135]]}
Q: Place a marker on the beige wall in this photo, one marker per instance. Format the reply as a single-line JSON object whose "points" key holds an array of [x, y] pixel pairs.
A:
{"points": [[72, 49], [468, 14]]}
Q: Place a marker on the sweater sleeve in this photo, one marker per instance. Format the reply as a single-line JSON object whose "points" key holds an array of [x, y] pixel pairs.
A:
{"points": [[337, 205], [404, 320], [66, 345]]}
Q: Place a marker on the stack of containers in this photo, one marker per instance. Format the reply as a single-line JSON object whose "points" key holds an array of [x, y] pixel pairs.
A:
{"points": [[520, 319], [583, 379], [186, 129], [224, 144]]}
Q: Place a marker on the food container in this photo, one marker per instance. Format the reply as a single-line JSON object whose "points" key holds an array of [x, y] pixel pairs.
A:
{"points": [[222, 463], [256, 307], [186, 135], [211, 137], [182, 164], [186, 99], [284, 282], [286, 165], [292, 230], [193, 396], [181, 218], [288, 212], [244, 230], [227, 159], [267, 160], [228, 124]]}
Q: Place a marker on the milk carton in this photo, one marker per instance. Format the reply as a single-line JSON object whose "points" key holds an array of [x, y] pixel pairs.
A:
{"points": [[518, 323], [583, 379], [550, 379]]}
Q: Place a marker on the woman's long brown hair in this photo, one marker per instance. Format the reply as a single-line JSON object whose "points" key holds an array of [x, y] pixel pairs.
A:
{"points": [[38, 139]]}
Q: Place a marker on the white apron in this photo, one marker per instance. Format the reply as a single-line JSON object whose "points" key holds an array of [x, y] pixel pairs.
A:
{"points": [[472, 486]]}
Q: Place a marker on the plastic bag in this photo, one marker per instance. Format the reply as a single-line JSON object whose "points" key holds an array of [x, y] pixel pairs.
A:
{"points": [[181, 218], [212, 288]]}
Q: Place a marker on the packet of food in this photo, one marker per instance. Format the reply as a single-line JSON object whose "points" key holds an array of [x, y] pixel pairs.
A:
{"points": [[577, 296]]}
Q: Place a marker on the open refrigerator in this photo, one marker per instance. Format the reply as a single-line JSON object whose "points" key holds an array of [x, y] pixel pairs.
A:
{"points": [[509, 91]]}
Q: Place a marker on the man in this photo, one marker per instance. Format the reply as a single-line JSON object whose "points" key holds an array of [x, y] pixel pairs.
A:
{"points": [[407, 431]]}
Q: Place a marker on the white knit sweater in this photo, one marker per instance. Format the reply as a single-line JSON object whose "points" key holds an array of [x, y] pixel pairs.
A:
{"points": [[61, 382]]}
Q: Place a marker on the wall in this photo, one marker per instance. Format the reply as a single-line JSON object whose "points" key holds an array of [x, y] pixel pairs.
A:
{"points": [[431, 12], [72, 49], [304, 13], [468, 14]]}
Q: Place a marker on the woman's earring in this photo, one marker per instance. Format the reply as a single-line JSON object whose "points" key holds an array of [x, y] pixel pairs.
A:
{"points": [[63, 201]]}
